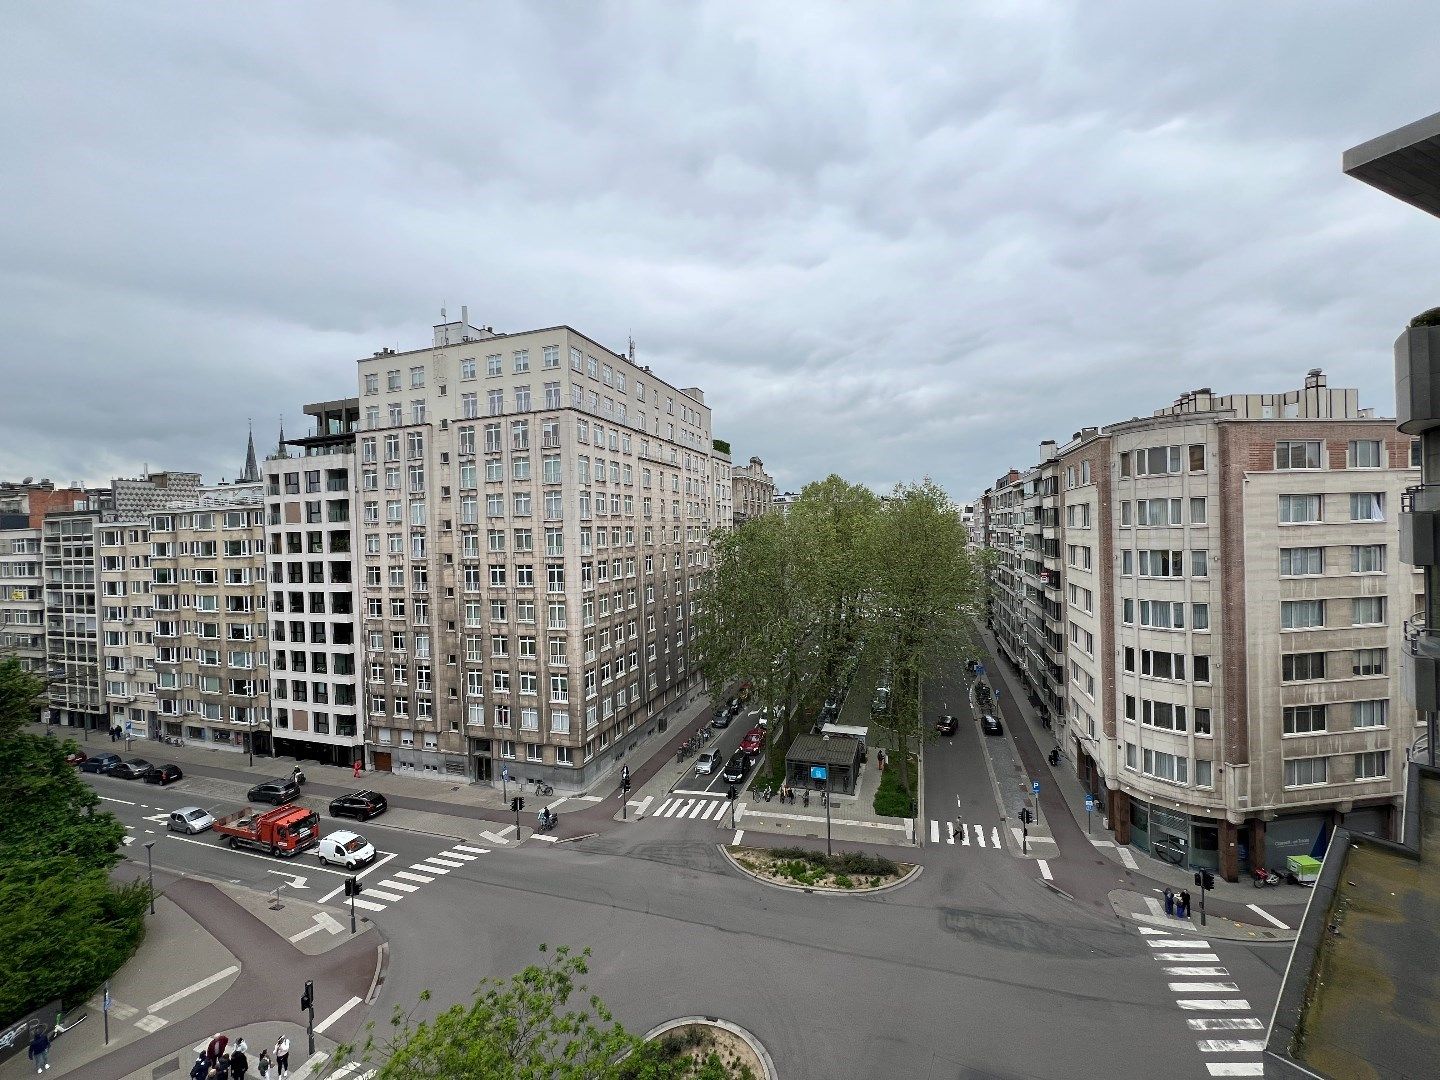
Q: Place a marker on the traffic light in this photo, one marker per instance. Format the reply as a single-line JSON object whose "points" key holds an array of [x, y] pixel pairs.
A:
{"points": [[307, 999], [1207, 879], [732, 794], [353, 885], [517, 804], [1026, 816]]}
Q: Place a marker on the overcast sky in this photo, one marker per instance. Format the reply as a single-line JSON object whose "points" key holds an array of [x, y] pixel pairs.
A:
{"points": [[886, 240]]}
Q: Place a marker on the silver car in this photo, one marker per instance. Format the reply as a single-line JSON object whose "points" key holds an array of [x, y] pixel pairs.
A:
{"points": [[189, 820], [706, 763]]}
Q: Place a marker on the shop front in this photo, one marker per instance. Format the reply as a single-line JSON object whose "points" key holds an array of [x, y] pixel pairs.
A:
{"points": [[1186, 840]]}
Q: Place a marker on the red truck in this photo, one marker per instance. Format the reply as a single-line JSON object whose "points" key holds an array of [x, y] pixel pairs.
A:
{"points": [[287, 830]]}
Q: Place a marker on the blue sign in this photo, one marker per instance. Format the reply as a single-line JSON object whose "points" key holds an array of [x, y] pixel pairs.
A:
{"points": [[1089, 804], [504, 772], [819, 772], [1035, 787], [997, 693], [980, 668]]}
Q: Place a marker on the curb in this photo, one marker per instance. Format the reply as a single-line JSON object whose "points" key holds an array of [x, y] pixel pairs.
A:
{"points": [[911, 875], [382, 967], [767, 1063]]}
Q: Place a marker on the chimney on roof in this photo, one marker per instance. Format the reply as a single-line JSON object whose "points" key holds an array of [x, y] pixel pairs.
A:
{"points": [[1314, 379], [1047, 450]]}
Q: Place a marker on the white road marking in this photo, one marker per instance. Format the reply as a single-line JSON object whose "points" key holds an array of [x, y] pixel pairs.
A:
{"points": [[1197, 957], [1150, 931], [1126, 857], [934, 831], [336, 1015], [443, 861], [949, 832], [414, 877], [995, 835], [254, 855], [392, 897], [193, 988], [1236, 1068], [127, 840], [1230, 1046], [664, 810], [458, 855], [1271, 919], [980, 834], [367, 905], [1205, 970], [496, 839], [644, 805], [1225, 1023], [390, 883], [1044, 870], [122, 802], [1179, 943], [471, 850], [322, 922], [701, 807], [964, 836], [1204, 988], [1213, 1004], [738, 834], [310, 1065], [427, 868], [1153, 905], [714, 812]]}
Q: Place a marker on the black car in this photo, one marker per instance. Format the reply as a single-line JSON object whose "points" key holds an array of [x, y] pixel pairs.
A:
{"points": [[736, 767], [734, 705], [100, 763], [947, 725], [362, 805], [278, 792], [721, 718], [991, 726], [164, 774], [131, 770]]}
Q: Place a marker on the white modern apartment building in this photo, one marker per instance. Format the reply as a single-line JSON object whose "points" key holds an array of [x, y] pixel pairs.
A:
{"points": [[534, 514]]}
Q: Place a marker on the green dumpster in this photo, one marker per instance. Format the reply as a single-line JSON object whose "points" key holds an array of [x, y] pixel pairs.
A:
{"points": [[1303, 869]]}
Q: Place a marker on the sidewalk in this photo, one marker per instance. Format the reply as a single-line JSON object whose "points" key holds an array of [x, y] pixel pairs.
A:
{"points": [[1150, 911], [852, 817]]}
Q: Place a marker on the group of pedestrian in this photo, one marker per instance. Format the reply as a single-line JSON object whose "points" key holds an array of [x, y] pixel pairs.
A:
{"points": [[218, 1062], [1177, 904], [117, 734]]}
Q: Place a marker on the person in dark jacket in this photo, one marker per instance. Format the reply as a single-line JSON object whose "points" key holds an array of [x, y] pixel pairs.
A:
{"points": [[40, 1050], [201, 1069], [239, 1065]]}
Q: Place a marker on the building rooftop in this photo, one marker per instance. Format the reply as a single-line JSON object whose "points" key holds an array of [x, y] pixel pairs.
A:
{"points": [[1404, 163], [1362, 994]]}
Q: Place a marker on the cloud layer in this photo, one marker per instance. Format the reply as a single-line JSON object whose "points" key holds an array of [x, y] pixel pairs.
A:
{"points": [[886, 240]]}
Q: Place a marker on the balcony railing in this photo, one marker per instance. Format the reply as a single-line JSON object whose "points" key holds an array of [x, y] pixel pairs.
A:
{"points": [[1419, 641], [1420, 498]]}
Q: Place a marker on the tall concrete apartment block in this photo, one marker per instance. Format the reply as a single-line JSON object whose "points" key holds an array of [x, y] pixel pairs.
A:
{"points": [[313, 567], [752, 490], [1005, 536], [23, 507], [534, 513], [1233, 611]]}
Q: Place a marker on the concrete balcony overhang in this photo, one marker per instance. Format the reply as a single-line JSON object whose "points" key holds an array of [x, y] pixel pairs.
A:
{"points": [[1420, 665], [1420, 526], [1417, 379]]}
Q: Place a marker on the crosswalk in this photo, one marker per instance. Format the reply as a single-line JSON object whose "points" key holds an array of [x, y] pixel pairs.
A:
{"points": [[353, 1070], [965, 834], [382, 892], [696, 808], [1203, 993]]}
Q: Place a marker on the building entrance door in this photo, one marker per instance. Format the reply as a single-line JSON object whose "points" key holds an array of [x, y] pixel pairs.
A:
{"points": [[382, 761], [484, 770]]}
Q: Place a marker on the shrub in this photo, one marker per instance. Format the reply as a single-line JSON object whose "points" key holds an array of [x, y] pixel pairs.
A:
{"points": [[844, 882], [890, 801]]}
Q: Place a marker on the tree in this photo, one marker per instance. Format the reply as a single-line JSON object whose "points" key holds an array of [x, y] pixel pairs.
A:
{"points": [[67, 927], [521, 1029]]}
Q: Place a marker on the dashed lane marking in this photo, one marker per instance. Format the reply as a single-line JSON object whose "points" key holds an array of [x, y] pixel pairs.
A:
{"points": [[193, 988]]}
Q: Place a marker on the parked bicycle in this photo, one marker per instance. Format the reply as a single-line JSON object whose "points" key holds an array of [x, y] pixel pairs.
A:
{"points": [[173, 740], [541, 788]]}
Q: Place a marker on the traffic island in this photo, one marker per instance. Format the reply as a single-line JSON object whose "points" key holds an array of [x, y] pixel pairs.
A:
{"points": [[700, 1037], [815, 871]]}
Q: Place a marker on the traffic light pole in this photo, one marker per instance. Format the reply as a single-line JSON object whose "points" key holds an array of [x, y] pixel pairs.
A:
{"points": [[828, 851], [352, 911], [307, 1002]]}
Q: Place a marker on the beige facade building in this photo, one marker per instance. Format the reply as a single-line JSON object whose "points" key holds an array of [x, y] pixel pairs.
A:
{"points": [[752, 490], [535, 511]]}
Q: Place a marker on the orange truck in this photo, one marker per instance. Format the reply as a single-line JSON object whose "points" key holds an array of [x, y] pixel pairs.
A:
{"points": [[287, 830]]}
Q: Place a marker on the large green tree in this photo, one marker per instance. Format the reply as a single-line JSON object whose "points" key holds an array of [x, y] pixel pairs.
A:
{"points": [[66, 926], [522, 1028]]}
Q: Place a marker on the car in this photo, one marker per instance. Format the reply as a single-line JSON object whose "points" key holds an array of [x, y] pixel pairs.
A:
{"points": [[752, 742], [736, 767], [359, 804], [189, 820], [131, 770], [346, 848], [100, 763], [734, 705], [164, 774], [278, 792], [721, 718], [707, 762], [991, 726], [947, 725], [76, 757]]}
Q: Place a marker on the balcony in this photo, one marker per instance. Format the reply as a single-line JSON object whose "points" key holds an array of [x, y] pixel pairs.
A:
{"points": [[1420, 525], [1420, 664]]}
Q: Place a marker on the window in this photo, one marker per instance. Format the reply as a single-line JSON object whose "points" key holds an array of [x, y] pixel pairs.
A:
{"points": [[1367, 506], [1202, 722], [1300, 667], [522, 360], [1302, 562], [1197, 511], [1304, 719], [1302, 772], [1204, 773], [1365, 454], [1156, 512], [1371, 766], [1162, 564], [1368, 611], [1302, 509], [1367, 559], [1197, 457], [1293, 454], [1165, 766], [1368, 662], [1157, 461], [1199, 563], [1163, 715], [1369, 714], [417, 377], [467, 370], [550, 356], [1302, 614]]}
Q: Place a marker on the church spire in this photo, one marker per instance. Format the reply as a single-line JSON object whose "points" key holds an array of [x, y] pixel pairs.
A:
{"points": [[251, 475], [280, 447]]}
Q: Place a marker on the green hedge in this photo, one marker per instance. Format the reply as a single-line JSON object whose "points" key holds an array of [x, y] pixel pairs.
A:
{"points": [[842, 862], [890, 801]]}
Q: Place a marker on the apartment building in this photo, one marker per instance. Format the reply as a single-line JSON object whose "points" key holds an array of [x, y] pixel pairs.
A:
{"points": [[1041, 609], [127, 625], [535, 510], [312, 560], [752, 490], [1006, 538], [722, 493], [23, 507]]}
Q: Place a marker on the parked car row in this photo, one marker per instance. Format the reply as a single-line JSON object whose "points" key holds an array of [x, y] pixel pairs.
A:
{"points": [[108, 764]]}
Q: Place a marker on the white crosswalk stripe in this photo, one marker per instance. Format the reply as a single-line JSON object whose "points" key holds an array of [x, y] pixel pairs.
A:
{"points": [[427, 868], [1204, 988], [1230, 1046], [1236, 1068], [421, 878], [1213, 1004], [372, 891], [471, 850], [964, 834], [458, 855], [451, 863], [710, 808], [398, 886], [1225, 1023], [366, 904], [1197, 957]]}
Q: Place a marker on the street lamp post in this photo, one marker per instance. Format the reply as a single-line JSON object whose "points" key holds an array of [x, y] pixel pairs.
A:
{"points": [[150, 869]]}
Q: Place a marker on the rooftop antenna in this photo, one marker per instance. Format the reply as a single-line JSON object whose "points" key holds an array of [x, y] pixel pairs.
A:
{"points": [[632, 348]]}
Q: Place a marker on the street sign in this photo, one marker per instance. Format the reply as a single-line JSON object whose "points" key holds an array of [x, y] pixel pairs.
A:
{"points": [[505, 773], [819, 772], [1089, 804], [1035, 787], [980, 668]]}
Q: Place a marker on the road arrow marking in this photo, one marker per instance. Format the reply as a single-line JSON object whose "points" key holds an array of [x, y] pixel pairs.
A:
{"points": [[295, 881]]}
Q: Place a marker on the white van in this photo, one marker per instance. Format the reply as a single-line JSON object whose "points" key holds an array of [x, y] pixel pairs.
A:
{"points": [[346, 849]]}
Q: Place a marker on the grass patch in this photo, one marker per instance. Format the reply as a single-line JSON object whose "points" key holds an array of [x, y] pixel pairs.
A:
{"points": [[814, 869], [890, 801]]}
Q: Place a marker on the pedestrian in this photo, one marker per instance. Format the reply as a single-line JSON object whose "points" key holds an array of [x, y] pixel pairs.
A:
{"points": [[1169, 902], [222, 1067], [1185, 903], [357, 769], [216, 1047], [239, 1064], [263, 1065], [282, 1057], [40, 1050], [201, 1069], [241, 1045]]}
